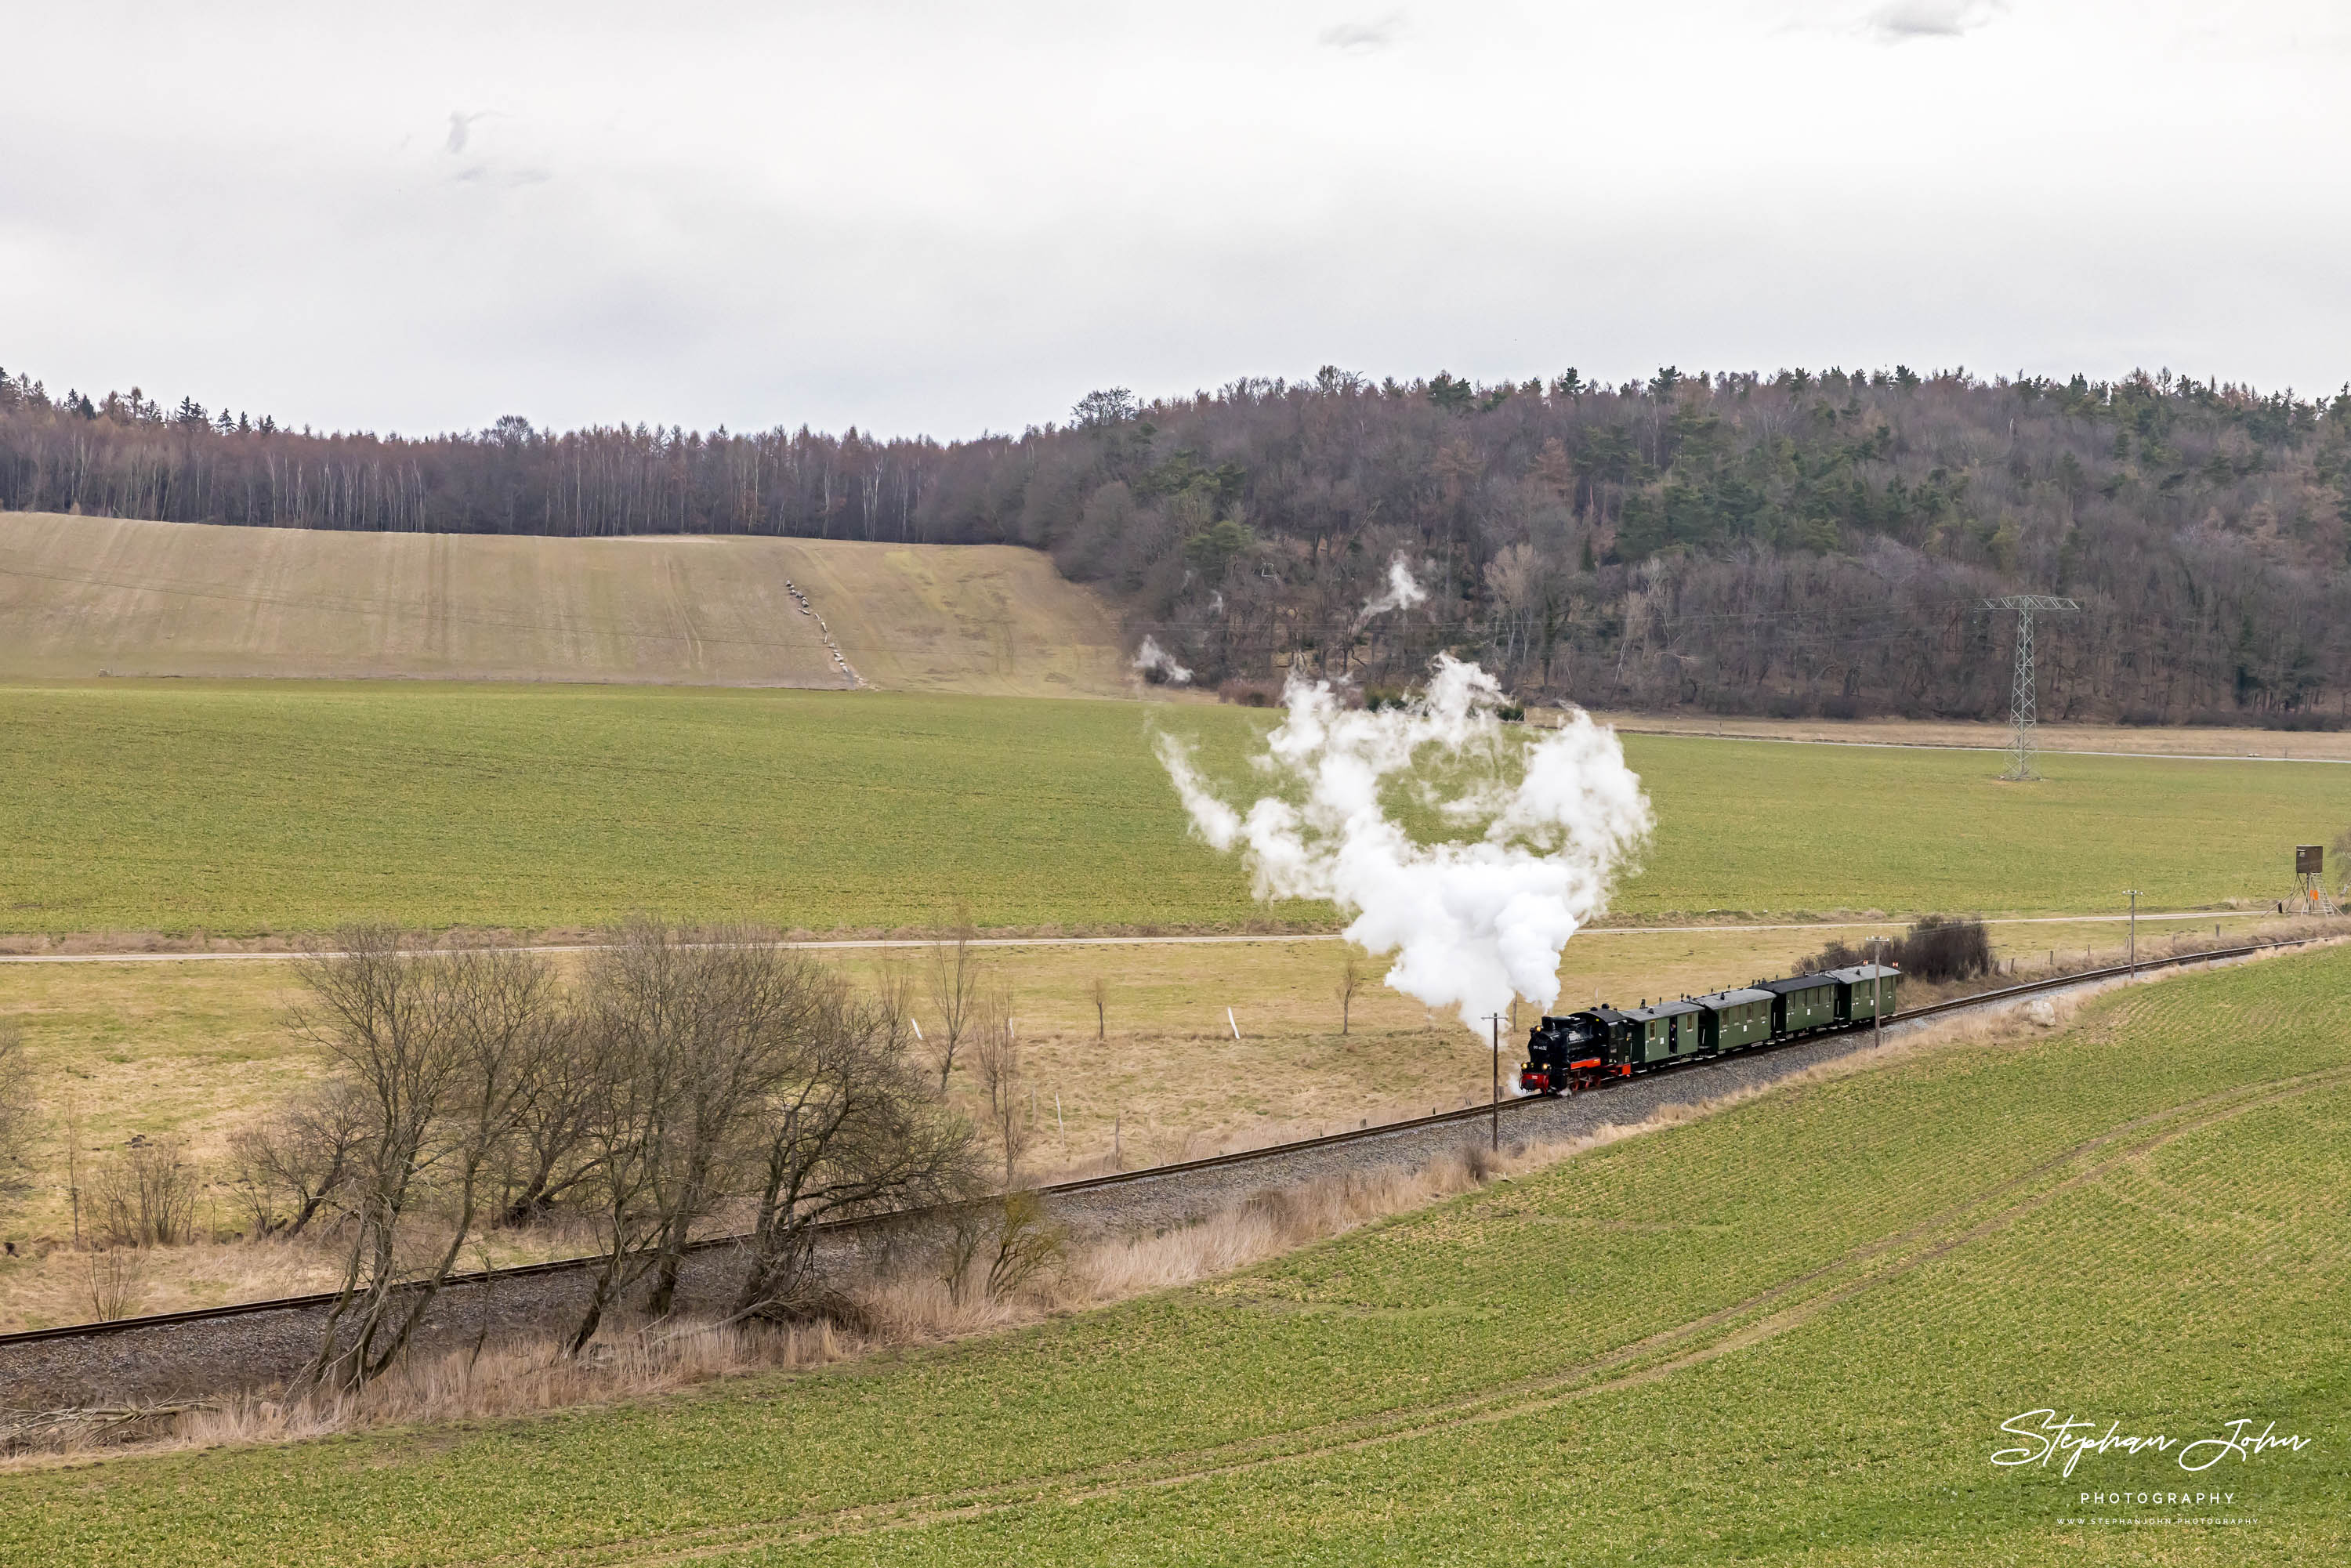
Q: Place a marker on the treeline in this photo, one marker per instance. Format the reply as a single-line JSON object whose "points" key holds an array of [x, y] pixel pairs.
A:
{"points": [[1795, 543]]}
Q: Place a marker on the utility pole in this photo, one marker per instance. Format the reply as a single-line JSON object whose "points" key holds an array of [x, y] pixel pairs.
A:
{"points": [[1496, 1019], [2023, 702], [2134, 935], [1877, 1010]]}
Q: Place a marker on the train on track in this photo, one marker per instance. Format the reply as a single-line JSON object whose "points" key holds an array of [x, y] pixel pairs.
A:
{"points": [[1581, 1050]]}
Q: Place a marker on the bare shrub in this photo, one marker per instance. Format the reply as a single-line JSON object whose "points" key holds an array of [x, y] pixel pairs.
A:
{"points": [[850, 1127], [117, 1281], [1479, 1162], [145, 1195], [955, 972], [16, 1114], [1350, 981], [1025, 1243], [996, 1051], [967, 1229], [285, 1168], [1250, 693], [1937, 948]]}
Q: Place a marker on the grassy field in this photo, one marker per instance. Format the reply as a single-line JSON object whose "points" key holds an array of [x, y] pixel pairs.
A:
{"points": [[255, 807], [2182, 740], [1786, 1333], [82, 596], [192, 1051]]}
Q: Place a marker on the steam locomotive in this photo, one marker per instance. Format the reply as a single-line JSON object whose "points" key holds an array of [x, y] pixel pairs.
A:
{"points": [[1579, 1052]]}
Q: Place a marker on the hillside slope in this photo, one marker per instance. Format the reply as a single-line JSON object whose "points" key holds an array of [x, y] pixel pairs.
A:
{"points": [[80, 595]]}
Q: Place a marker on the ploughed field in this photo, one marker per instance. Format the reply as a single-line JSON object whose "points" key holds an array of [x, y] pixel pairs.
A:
{"points": [[248, 808], [85, 596], [1789, 1332]]}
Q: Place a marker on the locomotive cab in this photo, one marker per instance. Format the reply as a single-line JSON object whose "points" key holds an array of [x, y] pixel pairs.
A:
{"points": [[1565, 1054]]}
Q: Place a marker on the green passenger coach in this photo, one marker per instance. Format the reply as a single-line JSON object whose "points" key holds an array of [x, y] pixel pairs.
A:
{"points": [[1735, 1019], [1666, 1032], [1802, 1004], [1864, 991]]}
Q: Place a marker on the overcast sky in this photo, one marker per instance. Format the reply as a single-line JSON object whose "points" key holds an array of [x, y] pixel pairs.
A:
{"points": [[951, 218]]}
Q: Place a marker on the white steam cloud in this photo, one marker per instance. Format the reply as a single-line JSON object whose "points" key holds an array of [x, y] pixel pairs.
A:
{"points": [[1472, 922], [1402, 593], [1151, 656]]}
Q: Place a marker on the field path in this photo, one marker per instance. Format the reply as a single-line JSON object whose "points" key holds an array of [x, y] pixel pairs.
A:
{"points": [[852, 944], [1760, 1317]]}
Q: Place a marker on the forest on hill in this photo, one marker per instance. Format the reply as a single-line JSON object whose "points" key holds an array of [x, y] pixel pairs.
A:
{"points": [[1803, 542]]}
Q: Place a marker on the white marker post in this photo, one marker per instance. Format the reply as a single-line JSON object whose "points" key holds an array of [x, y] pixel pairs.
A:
{"points": [[1228, 1018]]}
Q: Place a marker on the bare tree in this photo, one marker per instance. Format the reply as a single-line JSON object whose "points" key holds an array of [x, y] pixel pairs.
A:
{"points": [[285, 1168], [447, 1049], [995, 1050], [551, 1155], [628, 1114], [695, 1036], [955, 973], [851, 1128], [1351, 980], [1099, 993]]}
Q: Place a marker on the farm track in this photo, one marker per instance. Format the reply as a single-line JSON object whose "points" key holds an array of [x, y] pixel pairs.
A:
{"points": [[1790, 1304], [1212, 940], [1161, 1176]]}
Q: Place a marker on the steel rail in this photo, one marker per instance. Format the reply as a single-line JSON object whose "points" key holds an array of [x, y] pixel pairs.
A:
{"points": [[1148, 1173]]}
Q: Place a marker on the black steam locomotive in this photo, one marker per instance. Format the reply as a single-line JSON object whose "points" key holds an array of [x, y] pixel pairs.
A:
{"points": [[1578, 1052]]}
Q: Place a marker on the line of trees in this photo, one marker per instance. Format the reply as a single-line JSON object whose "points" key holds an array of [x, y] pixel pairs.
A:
{"points": [[1798, 542], [686, 1077]]}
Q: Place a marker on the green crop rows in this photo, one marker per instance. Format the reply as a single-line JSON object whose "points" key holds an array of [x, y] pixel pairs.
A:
{"points": [[1786, 1333], [244, 808]]}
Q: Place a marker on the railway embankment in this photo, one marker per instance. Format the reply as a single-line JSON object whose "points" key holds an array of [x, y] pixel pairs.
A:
{"points": [[221, 1349]]}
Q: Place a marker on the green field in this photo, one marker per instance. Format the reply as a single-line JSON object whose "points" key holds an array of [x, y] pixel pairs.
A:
{"points": [[1786, 1333], [252, 807]]}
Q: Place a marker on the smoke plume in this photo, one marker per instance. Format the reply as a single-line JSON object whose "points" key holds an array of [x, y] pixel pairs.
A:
{"points": [[1152, 658], [1473, 922], [1401, 593]]}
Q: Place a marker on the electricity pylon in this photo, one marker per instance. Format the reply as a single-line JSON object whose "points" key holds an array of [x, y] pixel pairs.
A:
{"points": [[2023, 705]]}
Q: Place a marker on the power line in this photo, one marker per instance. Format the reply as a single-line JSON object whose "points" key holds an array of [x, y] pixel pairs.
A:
{"points": [[2023, 702]]}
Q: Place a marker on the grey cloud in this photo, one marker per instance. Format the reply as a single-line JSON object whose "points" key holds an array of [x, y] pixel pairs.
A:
{"points": [[1902, 20], [1364, 37]]}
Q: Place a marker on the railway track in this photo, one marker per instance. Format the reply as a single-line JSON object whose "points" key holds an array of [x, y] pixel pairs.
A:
{"points": [[1507, 1109]]}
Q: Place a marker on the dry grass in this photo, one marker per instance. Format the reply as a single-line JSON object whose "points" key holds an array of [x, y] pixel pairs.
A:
{"points": [[194, 1050]]}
